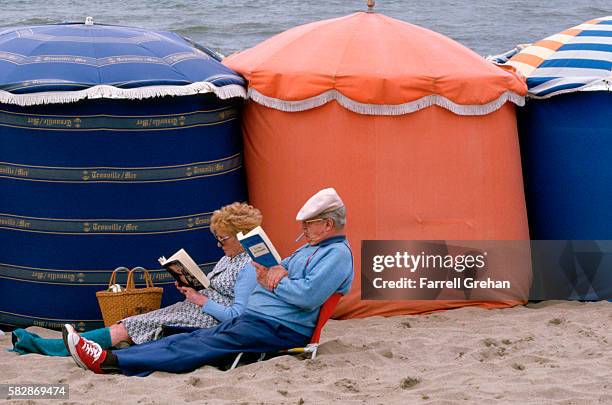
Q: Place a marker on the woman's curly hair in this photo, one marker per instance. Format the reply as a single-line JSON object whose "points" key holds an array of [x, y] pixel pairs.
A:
{"points": [[234, 218]]}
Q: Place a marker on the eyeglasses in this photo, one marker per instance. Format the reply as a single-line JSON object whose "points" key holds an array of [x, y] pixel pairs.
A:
{"points": [[221, 241], [312, 221]]}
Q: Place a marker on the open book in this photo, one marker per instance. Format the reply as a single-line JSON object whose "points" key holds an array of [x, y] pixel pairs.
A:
{"points": [[257, 244], [184, 270]]}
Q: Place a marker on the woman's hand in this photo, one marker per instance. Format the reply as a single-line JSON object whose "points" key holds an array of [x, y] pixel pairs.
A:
{"points": [[193, 296]]}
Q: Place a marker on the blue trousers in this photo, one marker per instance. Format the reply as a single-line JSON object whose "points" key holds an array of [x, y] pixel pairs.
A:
{"points": [[216, 346]]}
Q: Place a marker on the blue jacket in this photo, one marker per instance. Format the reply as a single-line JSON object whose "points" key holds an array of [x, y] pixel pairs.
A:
{"points": [[245, 283], [315, 273]]}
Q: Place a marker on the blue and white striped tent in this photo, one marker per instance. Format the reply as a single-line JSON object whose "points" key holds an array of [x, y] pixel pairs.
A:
{"points": [[566, 146], [579, 58], [116, 144]]}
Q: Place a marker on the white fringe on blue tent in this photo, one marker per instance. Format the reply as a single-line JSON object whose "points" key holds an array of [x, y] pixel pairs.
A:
{"points": [[377, 109], [111, 92]]}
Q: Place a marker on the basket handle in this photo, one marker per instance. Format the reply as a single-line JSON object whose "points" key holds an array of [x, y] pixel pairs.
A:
{"points": [[113, 277], [130, 279]]}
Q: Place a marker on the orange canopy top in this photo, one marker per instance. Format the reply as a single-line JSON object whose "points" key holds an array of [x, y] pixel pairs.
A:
{"points": [[373, 64]]}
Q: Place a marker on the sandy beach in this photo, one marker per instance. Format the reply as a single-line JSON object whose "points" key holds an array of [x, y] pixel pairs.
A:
{"points": [[551, 352]]}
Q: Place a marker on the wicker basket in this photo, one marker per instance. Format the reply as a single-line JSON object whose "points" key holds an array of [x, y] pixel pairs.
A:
{"points": [[131, 301]]}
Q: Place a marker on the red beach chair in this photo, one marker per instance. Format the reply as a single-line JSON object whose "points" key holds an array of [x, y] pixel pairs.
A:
{"points": [[327, 309]]}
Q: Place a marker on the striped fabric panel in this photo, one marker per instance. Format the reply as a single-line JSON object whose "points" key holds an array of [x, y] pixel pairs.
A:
{"points": [[94, 226], [598, 20], [601, 47], [572, 32], [568, 64], [558, 39], [544, 82], [596, 33], [575, 72], [121, 174], [594, 27], [581, 56], [591, 40], [532, 56], [546, 47], [82, 277], [545, 86], [523, 68], [528, 59], [542, 51]]}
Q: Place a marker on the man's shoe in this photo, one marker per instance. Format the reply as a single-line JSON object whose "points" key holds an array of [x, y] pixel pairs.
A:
{"points": [[85, 353]]}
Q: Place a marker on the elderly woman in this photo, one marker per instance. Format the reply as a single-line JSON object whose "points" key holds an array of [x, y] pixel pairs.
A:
{"points": [[226, 297]]}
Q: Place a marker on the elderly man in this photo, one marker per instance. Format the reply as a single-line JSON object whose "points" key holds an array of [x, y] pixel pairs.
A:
{"points": [[281, 312]]}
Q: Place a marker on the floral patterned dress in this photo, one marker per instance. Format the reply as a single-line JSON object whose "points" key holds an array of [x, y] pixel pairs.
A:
{"points": [[146, 327]]}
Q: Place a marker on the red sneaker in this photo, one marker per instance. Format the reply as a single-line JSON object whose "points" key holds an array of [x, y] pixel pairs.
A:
{"points": [[85, 353], [67, 329]]}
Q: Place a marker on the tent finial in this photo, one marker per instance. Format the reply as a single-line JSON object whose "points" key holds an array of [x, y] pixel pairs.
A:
{"points": [[371, 4]]}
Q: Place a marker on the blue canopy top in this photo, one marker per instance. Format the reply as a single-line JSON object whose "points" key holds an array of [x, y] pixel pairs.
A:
{"points": [[69, 62]]}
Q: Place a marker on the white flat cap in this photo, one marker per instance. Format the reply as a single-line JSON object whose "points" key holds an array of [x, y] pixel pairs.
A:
{"points": [[324, 201]]}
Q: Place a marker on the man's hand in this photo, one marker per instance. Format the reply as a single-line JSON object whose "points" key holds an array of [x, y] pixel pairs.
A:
{"points": [[275, 275], [262, 274], [193, 296], [269, 277]]}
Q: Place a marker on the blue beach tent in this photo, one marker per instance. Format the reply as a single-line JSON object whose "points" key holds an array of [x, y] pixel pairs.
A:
{"points": [[566, 146], [116, 144]]}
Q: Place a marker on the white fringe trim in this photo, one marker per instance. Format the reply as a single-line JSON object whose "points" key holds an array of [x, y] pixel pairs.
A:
{"points": [[392, 109], [111, 92]]}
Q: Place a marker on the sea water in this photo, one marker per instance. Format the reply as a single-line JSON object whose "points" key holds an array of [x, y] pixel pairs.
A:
{"points": [[486, 26]]}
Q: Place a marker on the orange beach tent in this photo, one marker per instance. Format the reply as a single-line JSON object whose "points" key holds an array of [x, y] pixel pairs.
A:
{"points": [[416, 132]]}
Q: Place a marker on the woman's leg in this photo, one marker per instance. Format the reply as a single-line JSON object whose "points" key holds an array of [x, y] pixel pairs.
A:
{"points": [[27, 342], [118, 333], [144, 328]]}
